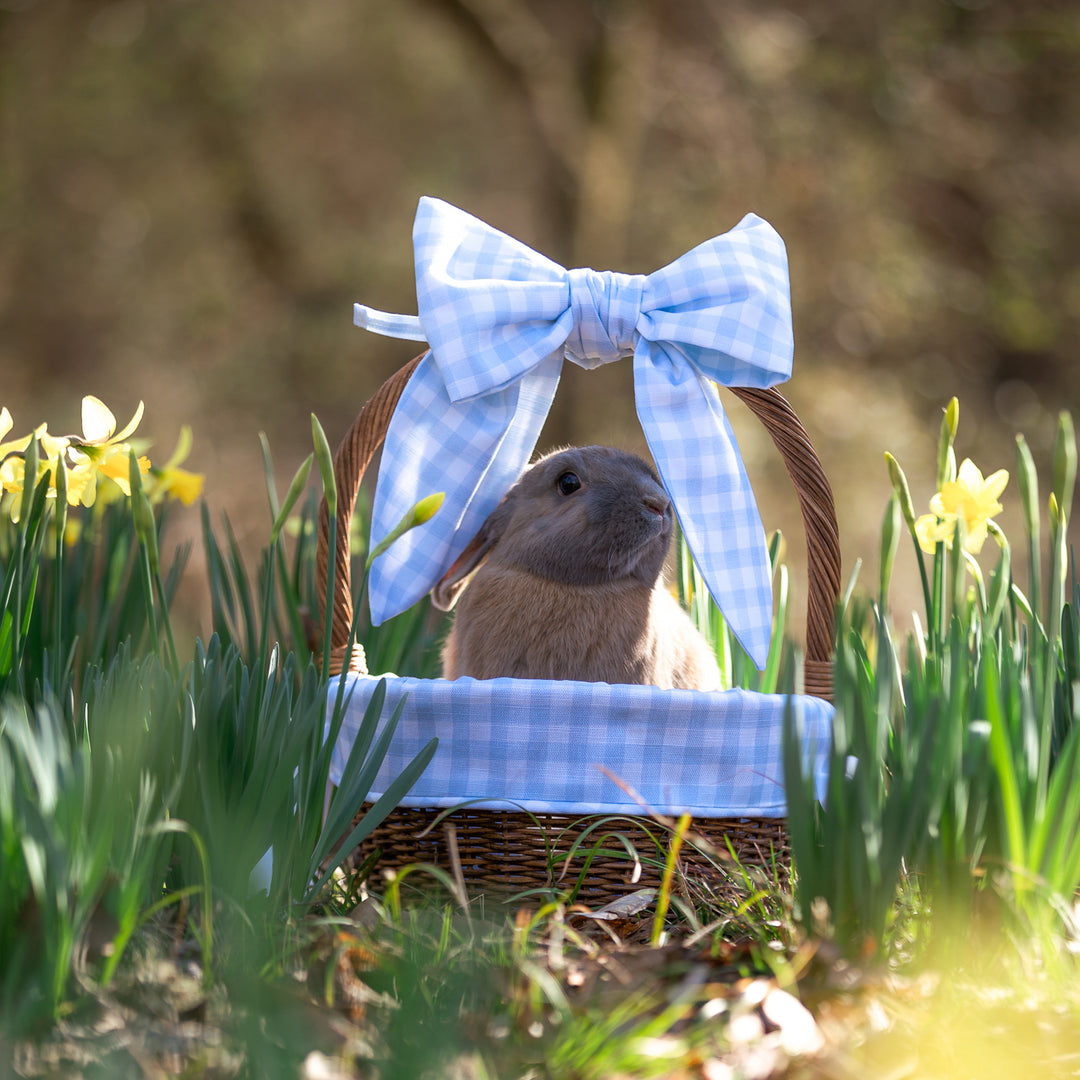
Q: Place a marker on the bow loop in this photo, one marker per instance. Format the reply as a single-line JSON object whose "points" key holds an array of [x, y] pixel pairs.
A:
{"points": [[500, 319], [605, 307]]}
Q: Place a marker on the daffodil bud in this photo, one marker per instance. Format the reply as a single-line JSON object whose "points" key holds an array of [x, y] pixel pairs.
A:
{"points": [[776, 550], [1059, 555], [1065, 463], [946, 461], [900, 486], [143, 513], [890, 538], [60, 481], [423, 511], [952, 415], [296, 488], [427, 508], [999, 587], [1055, 512], [30, 468], [326, 464], [134, 473], [1028, 480]]}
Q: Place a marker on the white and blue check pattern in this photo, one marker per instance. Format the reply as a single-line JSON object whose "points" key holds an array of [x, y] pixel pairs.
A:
{"points": [[500, 320], [537, 745]]}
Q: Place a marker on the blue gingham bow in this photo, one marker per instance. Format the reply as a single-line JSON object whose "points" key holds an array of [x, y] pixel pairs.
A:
{"points": [[500, 318]]}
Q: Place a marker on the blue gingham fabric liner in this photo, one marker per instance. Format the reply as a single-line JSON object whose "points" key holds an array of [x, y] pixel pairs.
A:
{"points": [[501, 318], [528, 744]]}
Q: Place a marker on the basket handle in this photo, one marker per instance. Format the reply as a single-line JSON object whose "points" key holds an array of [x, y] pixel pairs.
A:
{"points": [[368, 431], [819, 523]]}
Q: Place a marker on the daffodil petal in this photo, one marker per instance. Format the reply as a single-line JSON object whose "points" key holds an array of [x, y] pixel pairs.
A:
{"points": [[88, 494], [52, 446], [976, 537], [11, 474], [969, 475], [922, 533], [930, 530], [133, 423], [78, 478], [183, 448], [98, 421], [995, 485], [6, 423]]}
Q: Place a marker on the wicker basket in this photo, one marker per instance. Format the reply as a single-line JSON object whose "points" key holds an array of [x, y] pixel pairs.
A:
{"points": [[504, 850]]}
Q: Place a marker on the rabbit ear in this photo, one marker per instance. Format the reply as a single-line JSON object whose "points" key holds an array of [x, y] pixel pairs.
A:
{"points": [[450, 585]]}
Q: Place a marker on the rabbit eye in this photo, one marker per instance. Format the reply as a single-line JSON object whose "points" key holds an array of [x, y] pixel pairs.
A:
{"points": [[568, 483]]}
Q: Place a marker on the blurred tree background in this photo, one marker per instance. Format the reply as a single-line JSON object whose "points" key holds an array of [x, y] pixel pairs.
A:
{"points": [[193, 193]]}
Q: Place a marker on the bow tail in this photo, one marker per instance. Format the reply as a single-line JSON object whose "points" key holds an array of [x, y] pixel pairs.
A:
{"points": [[472, 450], [697, 457]]}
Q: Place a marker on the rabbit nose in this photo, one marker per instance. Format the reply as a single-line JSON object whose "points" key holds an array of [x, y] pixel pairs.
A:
{"points": [[658, 504]]}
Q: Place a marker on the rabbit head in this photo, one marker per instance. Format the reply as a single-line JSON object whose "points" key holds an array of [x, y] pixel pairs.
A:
{"points": [[563, 581], [581, 516]]}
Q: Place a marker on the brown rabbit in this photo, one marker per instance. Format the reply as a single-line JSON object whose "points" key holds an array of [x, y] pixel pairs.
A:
{"points": [[568, 585]]}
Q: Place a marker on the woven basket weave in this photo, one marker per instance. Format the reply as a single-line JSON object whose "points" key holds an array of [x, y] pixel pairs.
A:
{"points": [[508, 851]]}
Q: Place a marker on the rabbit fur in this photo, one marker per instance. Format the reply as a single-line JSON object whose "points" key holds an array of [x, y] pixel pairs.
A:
{"points": [[564, 581]]}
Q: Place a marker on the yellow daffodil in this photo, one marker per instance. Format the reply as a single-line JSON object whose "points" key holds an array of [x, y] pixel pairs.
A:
{"points": [[969, 497], [101, 451], [6, 449], [172, 481], [51, 449]]}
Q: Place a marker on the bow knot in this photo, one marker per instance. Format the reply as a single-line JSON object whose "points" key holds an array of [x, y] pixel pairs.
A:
{"points": [[500, 318], [605, 308]]}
